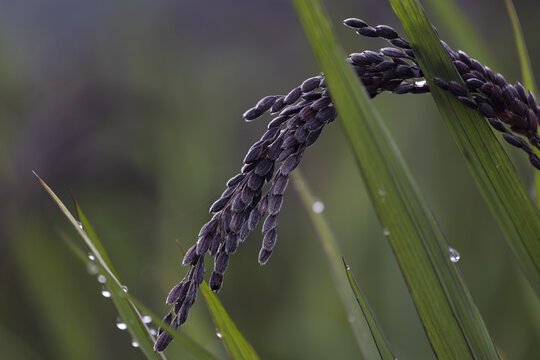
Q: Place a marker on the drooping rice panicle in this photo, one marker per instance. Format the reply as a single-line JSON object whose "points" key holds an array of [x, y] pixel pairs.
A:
{"points": [[256, 192]]}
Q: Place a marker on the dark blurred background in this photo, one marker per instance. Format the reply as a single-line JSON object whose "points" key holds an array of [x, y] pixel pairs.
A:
{"points": [[135, 106]]}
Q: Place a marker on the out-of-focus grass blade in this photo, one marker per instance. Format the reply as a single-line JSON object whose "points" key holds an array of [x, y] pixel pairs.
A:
{"points": [[13, 346], [524, 61], [235, 343], [495, 176], [382, 344], [461, 31], [185, 340], [331, 249], [526, 71], [127, 310], [448, 313]]}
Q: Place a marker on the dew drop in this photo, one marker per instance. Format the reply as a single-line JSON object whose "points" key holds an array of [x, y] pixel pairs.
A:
{"points": [[120, 324], [386, 232], [317, 206], [134, 343], [125, 289], [101, 279], [352, 319], [381, 191], [105, 292], [219, 335], [80, 224], [153, 331], [454, 255], [420, 83], [146, 319]]}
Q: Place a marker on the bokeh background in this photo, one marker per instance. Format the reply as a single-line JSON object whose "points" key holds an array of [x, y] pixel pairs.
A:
{"points": [[135, 107]]}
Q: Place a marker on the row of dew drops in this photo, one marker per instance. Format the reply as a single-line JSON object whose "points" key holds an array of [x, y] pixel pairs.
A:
{"points": [[120, 324], [106, 293], [93, 269]]}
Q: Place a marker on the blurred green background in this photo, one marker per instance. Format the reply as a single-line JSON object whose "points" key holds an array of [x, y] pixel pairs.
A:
{"points": [[135, 106]]}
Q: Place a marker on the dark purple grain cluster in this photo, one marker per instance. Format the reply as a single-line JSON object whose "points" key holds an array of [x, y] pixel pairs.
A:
{"points": [[390, 69], [510, 109], [256, 193]]}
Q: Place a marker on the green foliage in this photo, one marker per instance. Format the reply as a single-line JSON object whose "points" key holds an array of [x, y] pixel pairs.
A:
{"points": [[127, 310], [527, 74], [383, 347], [496, 178], [329, 243], [445, 306], [235, 343], [449, 315]]}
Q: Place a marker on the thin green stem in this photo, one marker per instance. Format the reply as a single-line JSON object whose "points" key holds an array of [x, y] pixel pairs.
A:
{"points": [[333, 255], [527, 74]]}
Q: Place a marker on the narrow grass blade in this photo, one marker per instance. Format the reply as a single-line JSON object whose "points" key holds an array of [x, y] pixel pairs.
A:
{"points": [[382, 344], [524, 61], [331, 249], [463, 32], [235, 343], [448, 313], [16, 347], [128, 312], [526, 71], [197, 350], [495, 176], [94, 238]]}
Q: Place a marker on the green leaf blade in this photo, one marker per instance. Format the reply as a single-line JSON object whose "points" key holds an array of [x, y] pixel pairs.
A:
{"points": [[235, 343], [89, 230], [127, 306], [383, 347], [526, 71], [492, 170], [127, 311], [450, 317], [357, 321], [523, 54]]}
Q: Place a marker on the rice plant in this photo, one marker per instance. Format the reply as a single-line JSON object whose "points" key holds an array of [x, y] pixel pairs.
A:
{"points": [[472, 98]]}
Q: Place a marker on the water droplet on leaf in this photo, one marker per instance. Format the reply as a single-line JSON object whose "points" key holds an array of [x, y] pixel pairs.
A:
{"points": [[105, 292], [386, 232], [134, 343], [454, 255], [219, 335], [121, 325], [317, 207], [101, 279]]}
